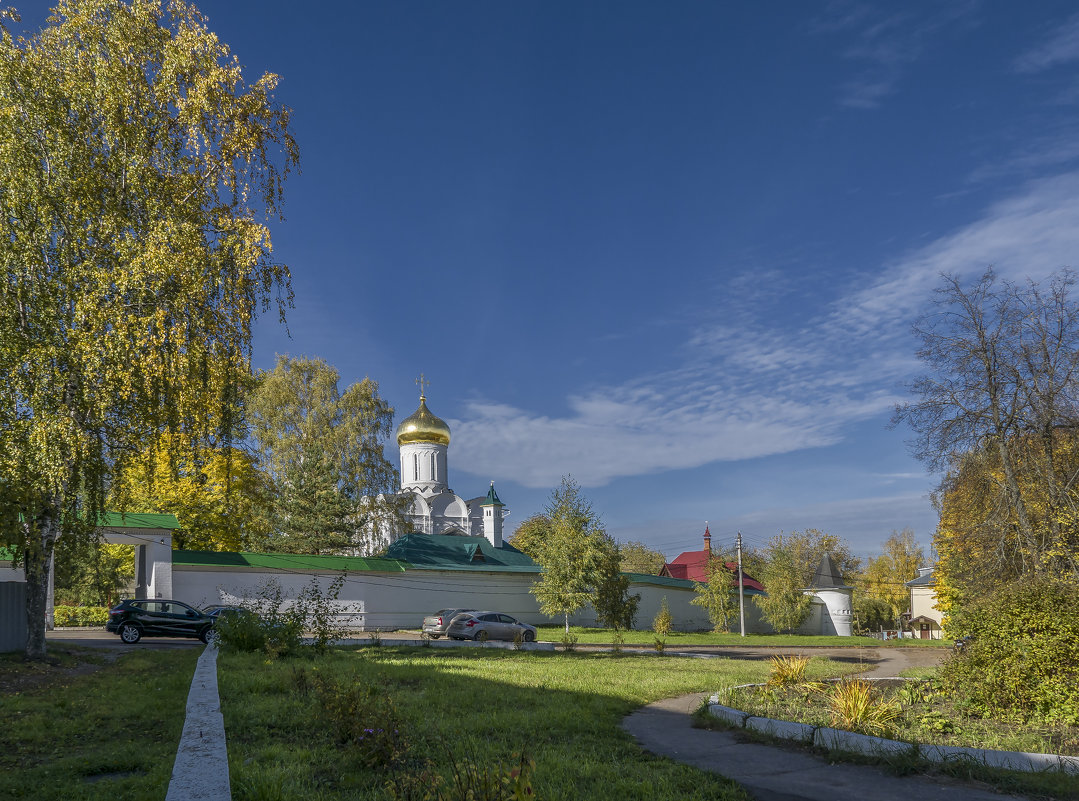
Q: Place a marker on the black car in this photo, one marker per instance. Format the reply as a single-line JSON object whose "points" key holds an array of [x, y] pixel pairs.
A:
{"points": [[134, 619]]}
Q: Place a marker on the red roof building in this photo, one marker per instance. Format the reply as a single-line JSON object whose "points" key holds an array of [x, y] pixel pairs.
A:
{"points": [[693, 565]]}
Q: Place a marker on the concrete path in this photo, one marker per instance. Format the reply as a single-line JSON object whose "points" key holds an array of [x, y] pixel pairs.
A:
{"points": [[781, 773], [201, 770]]}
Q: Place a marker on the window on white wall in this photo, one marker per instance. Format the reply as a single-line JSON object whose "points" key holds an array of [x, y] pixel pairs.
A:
{"points": [[415, 467]]}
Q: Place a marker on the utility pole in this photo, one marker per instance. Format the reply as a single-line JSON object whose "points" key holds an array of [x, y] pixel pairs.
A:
{"points": [[741, 588]]}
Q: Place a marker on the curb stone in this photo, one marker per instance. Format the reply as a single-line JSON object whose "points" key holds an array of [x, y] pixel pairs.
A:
{"points": [[841, 740], [201, 770]]}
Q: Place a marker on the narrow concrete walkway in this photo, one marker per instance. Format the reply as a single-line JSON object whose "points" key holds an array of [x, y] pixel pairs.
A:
{"points": [[781, 773], [201, 770]]}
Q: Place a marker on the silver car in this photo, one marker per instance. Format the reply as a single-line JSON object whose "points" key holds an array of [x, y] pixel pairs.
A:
{"points": [[490, 626], [435, 625]]}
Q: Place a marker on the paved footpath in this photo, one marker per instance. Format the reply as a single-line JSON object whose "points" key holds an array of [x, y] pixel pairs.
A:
{"points": [[781, 773]]}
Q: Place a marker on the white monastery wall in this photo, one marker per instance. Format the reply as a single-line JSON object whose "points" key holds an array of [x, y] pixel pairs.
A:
{"points": [[400, 600]]}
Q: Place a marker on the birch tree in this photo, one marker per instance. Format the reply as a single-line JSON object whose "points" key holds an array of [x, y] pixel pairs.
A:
{"points": [[138, 172], [998, 411], [322, 450]]}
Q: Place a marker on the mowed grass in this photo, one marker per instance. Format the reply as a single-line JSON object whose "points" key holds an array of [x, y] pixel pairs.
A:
{"points": [[562, 710], [109, 735], [595, 636]]}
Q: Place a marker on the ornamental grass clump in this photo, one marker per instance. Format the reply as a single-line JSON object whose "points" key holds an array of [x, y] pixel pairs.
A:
{"points": [[855, 706], [788, 670]]}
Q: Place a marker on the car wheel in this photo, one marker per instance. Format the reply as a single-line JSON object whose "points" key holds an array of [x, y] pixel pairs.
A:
{"points": [[130, 633], [435, 636], [209, 635], [481, 636], [528, 636]]}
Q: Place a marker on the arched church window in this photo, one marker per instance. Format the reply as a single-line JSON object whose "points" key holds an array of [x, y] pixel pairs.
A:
{"points": [[415, 467]]}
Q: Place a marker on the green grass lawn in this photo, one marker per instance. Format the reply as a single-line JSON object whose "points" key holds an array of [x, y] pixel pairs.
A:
{"points": [[465, 705], [594, 636], [109, 735]]}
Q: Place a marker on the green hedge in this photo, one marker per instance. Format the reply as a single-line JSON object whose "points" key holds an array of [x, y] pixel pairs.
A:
{"points": [[80, 615]]}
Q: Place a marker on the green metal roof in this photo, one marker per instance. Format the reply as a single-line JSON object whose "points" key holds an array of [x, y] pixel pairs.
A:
{"points": [[286, 561], [137, 520], [445, 551], [492, 497]]}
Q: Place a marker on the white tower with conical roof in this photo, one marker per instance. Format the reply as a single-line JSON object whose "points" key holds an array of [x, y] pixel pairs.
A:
{"points": [[492, 517]]}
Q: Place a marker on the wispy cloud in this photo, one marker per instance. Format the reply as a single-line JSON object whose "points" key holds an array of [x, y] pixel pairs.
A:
{"points": [[1034, 154], [1059, 47], [743, 389], [884, 44], [1029, 235]]}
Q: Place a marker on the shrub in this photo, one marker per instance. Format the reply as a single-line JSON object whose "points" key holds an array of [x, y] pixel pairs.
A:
{"points": [[277, 622], [662, 622], [244, 632], [569, 642], [471, 779], [363, 718], [1022, 661], [64, 615], [618, 641]]}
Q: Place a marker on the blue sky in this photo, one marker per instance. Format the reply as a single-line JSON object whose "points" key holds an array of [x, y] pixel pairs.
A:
{"points": [[672, 249]]}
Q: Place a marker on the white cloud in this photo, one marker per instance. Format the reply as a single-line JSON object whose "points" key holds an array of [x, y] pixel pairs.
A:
{"points": [[747, 389], [1029, 235], [1061, 47]]}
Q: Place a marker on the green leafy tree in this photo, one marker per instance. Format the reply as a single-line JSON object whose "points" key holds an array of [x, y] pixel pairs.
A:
{"points": [[885, 576], [615, 606], [639, 558], [139, 169], [808, 547], [718, 595], [784, 605], [91, 573], [572, 554], [217, 493], [309, 437], [871, 614], [531, 535]]}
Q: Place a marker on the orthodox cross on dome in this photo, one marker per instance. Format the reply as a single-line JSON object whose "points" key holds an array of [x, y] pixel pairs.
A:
{"points": [[422, 384]]}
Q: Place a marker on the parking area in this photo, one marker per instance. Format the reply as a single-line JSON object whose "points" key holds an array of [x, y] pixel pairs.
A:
{"points": [[99, 638]]}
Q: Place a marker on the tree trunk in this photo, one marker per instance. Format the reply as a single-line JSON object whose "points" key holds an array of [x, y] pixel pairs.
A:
{"points": [[40, 543], [567, 622]]}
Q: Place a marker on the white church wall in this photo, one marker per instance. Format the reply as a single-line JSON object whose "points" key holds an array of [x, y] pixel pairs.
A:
{"points": [[401, 600]]}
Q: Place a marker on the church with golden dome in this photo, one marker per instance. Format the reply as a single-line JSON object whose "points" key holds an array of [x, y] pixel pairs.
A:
{"points": [[424, 440]]}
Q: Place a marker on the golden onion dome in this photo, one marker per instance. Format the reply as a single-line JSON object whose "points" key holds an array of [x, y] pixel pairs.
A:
{"points": [[422, 426]]}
